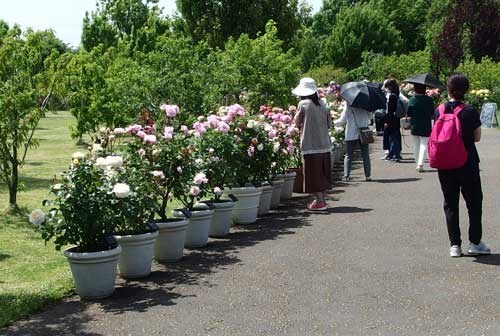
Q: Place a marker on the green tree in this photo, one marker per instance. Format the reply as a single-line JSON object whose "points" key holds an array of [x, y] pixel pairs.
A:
{"points": [[217, 20], [362, 27], [137, 23], [324, 20], [20, 108]]}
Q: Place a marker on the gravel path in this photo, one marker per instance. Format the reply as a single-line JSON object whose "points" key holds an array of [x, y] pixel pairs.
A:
{"points": [[375, 263]]}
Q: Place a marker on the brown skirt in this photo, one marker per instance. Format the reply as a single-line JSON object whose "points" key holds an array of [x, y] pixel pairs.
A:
{"points": [[317, 174]]}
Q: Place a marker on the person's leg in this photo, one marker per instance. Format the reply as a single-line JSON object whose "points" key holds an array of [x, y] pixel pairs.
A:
{"points": [[385, 142], [473, 196], [450, 186], [348, 157], [397, 139], [392, 144], [423, 150], [416, 147], [365, 153]]}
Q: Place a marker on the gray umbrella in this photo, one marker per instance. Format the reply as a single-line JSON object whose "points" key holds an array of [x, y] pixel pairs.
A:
{"points": [[363, 95], [425, 79]]}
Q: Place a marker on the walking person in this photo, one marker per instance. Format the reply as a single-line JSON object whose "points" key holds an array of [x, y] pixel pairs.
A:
{"points": [[354, 118], [421, 112], [392, 125], [464, 177], [313, 118]]}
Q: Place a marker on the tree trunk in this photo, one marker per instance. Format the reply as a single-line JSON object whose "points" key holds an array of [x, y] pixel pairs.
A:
{"points": [[13, 185]]}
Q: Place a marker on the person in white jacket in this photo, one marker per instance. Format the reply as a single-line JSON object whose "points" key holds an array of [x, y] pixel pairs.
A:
{"points": [[354, 118]]}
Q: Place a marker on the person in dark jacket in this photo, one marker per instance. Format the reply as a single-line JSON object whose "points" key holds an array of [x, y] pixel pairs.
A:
{"points": [[392, 123], [421, 111], [465, 179]]}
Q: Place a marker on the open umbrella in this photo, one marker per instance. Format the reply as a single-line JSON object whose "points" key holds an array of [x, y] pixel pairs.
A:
{"points": [[363, 95], [425, 79]]}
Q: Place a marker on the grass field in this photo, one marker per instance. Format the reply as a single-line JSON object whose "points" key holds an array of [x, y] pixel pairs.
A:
{"points": [[33, 274]]}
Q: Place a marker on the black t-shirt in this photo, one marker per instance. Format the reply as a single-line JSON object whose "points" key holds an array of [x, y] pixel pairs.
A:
{"points": [[391, 120], [469, 120]]}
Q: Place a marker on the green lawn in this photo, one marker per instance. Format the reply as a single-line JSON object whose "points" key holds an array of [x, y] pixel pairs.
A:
{"points": [[33, 274]]}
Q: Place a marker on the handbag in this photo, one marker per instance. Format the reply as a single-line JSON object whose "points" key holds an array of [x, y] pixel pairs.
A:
{"points": [[406, 123], [365, 133]]}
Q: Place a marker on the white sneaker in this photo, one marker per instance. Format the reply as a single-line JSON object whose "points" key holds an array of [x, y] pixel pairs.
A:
{"points": [[480, 248], [455, 251]]}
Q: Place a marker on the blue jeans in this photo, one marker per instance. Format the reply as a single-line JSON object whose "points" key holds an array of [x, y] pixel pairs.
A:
{"points": [[394, 135]]}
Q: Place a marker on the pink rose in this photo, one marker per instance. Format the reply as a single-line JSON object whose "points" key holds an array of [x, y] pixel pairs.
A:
{"points": [[158, 174], [194, 191], [170, 110], [149, 139], [168, 132]]}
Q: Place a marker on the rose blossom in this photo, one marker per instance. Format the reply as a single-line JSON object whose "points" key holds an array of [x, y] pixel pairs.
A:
{"points": [[141, 134], [223, 127], [119, 131], [276, 147], [272, 134], [184, 129], [194, 191], [149, 139], [158, 174], [260, 147], [77, 156], [200, 178], [114, 161], [168, 132], [121, 190], [101, 162], [170, 110], [37, 217], [217, 191], [236, 109], [250, 151]]}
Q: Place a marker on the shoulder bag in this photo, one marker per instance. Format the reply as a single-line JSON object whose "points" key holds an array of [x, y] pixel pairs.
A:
{"points": [[365, 133]]}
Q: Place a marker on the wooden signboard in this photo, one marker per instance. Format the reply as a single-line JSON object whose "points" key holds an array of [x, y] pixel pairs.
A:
{"points": [[489, 115]]}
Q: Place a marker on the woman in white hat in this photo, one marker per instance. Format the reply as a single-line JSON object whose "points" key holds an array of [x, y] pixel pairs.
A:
{"points": [[313, 118]]}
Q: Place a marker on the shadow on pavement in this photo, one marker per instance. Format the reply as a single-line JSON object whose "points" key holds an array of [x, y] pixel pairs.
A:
{"points": [[400, 180], [492, 259]]}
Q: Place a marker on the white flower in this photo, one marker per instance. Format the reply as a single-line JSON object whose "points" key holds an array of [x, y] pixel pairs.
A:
{"points": [[119, 131], [276, 147], [101, 163], [260, 147], [37, 217], [194, 191], [121, 190], [199, 162], [97, 148], [210, 150], [217, 191], [179, 170], [158, 173], [200, 178], [77, 156], [114, 161]]}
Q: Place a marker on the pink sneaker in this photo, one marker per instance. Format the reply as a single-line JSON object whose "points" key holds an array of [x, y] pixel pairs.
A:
{"points": [[317, 206]]}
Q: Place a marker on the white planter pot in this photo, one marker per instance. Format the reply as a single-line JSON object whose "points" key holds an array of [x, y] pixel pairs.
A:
{"points": [[277, 187], [137, 254], [287, 189], [169, 246], [94, 273], [246, 208], [265, 199], [222, 219], [199, 225]]}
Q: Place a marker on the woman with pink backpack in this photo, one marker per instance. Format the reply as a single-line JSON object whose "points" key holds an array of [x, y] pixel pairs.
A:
{"points": [[453, 152]]}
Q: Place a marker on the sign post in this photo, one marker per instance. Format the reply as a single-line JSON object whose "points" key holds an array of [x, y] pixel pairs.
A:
{"points": [[488, 114]]}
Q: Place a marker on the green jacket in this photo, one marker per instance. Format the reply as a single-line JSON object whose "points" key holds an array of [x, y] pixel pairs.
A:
{"points": [[421, 111]]}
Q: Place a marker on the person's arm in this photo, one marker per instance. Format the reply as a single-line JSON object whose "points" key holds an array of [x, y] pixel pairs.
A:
{"points": [[477, 134], [299, 117], [343, 117]]}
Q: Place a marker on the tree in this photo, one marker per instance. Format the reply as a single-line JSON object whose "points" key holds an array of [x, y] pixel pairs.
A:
{"points": [[324, 20], [137, 23], [471, 28], [362, 27], [20, 109], [217, 20]]}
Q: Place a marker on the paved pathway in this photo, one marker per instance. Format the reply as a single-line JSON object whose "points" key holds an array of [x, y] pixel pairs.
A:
{"points": [[375, 263]]}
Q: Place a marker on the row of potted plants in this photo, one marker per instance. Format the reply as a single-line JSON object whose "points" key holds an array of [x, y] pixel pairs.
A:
{"points": [[112, 205]]}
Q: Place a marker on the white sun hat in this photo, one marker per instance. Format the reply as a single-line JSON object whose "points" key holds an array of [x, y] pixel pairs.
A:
{"points": [[305, 88]]}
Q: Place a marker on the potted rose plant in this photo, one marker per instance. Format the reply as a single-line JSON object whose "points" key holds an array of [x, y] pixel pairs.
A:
{"points": [[81, 215], [161, 149], [216, 148]]}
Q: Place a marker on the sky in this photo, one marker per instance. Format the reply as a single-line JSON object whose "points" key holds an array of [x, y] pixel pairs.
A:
{"points": [[65, 16]]}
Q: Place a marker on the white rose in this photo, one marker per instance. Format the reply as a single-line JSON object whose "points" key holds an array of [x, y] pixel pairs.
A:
{"points": [[37, 217], [101, 162], [260, 147], [97, 148], [217, 191], [114, 161], [77, 156], [121, 190], [276, 147]]}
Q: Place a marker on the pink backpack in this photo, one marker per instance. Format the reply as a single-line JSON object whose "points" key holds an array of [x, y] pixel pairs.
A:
{"points": [[446, 146]]}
